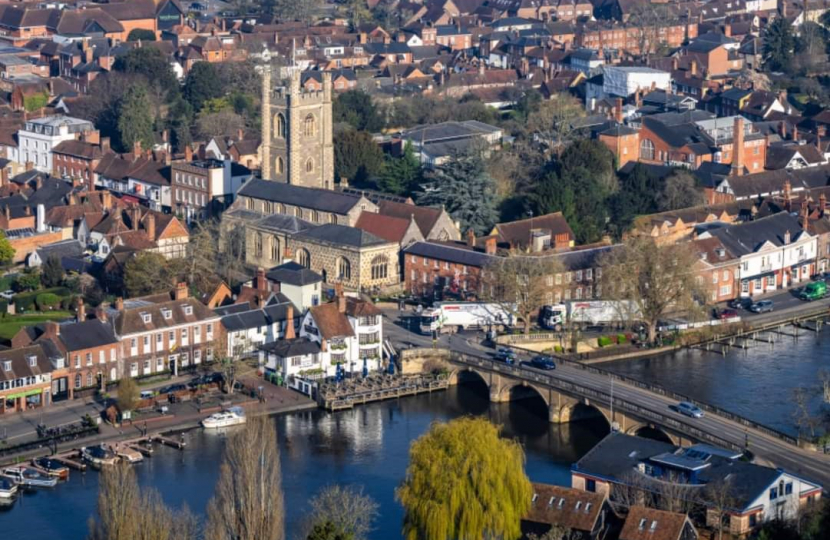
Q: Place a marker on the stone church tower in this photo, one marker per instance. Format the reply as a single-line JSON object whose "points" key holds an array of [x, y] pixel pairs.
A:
{"points": [[297, 143]]}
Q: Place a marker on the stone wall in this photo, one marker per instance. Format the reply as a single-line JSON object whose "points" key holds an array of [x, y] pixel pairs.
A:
{"points": [[412, 360]]}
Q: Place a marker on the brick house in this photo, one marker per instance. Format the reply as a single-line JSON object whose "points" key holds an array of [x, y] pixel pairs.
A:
{"points": [[160, 334], [92, 354], [78, 159], [25, 379], [718, 269], [431, 267]]}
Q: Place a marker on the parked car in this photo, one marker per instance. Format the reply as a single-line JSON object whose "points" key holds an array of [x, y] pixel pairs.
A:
{"points": [[813, 291], [740, 303], [506, 355], [7, 294], [689, 409], [726, 313], [762, 306], [205, 379], [172, 388], [542, 362], [146, 394]]}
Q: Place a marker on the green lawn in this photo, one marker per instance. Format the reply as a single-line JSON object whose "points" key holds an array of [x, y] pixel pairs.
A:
{"points": [[10, 324]]}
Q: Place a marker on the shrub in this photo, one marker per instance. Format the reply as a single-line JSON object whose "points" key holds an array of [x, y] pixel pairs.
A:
{"points": [[621, 339], [558, 349], [604, 341], [47, 301]]}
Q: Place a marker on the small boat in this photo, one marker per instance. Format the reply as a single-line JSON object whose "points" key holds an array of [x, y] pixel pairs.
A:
{"points": [[29, 477], [99, 455], [8, 488], [128, 454], [232, 417], [52, 467]]}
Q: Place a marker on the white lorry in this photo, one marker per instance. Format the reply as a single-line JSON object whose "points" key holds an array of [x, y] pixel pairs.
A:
{"points": [[582, 314], [448, 317]]}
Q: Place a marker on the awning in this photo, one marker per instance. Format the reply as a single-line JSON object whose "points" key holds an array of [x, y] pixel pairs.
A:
{"points": [[24, 393]]}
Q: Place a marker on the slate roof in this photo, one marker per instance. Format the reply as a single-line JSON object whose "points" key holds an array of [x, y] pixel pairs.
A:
{"points": [[78, 336], [580, 259], [517, 233], [753, 185], [65, 248], [20, 367], [749, 237], [287, 348], [317, 199], [444, 252], [340, 235], [254, 318], [130, 320], [293, 273]]}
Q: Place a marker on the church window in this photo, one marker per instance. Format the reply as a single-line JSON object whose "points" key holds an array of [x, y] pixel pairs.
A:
{"points": [[279, 126], [309, 165], [280, 165], [309, 126]]}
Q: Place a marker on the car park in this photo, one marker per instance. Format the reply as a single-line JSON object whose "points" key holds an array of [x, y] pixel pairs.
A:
{"points": [[762, 306], [689, 409]]}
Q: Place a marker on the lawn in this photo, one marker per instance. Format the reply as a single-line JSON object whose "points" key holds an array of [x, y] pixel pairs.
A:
{"points": [[10, 324]]}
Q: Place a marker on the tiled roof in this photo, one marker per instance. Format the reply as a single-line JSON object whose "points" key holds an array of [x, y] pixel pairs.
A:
{"points": [[573, 509], [130, 320], [339, 235], [425, 216], [651, 524], [330, 321], [20, 367], [517, 233], [391, 229]]}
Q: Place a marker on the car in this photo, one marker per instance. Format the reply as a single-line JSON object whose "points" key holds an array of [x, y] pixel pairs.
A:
{"points": [[542, 362], [740, 303], [8, 294], [146, 394], [726, 313], [506, 355], [761, 306], [689, 409], [172, 388], [205, 379]]}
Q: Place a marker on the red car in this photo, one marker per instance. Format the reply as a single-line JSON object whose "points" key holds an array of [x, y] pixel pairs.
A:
{"points": [[726, 314]]}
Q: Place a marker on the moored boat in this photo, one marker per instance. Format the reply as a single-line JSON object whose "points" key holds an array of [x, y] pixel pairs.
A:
{"points": [[8, 488], [29, 477], [99, 455], [128, 454], [232, 417], [51, 467]]}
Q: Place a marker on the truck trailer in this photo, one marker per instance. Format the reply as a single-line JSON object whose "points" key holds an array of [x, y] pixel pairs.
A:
{"points": [[449, 317], [582, 314]]}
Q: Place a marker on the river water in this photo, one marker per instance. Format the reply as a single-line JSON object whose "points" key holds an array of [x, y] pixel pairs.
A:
{"points": [[756, 383], [366, 447]]}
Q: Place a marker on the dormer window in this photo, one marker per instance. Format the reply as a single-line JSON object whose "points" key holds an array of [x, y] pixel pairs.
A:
{"points": [[7, 366], [588, 507], [167, 313], [32, 359], [147, 318], [535, 496], [643, 522], [653, 526], [188, 310]]}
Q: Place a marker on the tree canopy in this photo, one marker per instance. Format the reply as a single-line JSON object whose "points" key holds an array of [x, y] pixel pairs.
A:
{"points": [[135, 124], [52, 272], [356, 156], [356, 108], [141, 34], [6, 250], [151, 63], [779, 44], [401, 175], [147, 273], [202, 84]]}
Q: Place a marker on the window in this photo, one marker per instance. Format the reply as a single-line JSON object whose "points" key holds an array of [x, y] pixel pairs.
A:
{"points": [[159, 338], [275, 248], [380, 267], [714, 277], [303, 257], [112, 355], [578, 275], [172, 337], [167, 313], [78, 380], [646, 149], [559, 279], [298, 212], [89, 359], [279, 126], [309, 165], [280, 165], [77, 361], [32, 361], [773, 494], [258, 244], [89, 378], [184, 334], [344, 269], [146, 317], [309, 126], [788, 489], [589, 274]]}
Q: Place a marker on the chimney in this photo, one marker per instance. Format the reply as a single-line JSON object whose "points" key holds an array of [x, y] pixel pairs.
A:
{"points": [[181, 291], [795, 133], [240, 134], [340, 297], [471, 238], [782, 130], [787, 237], [105, 145], [188, 153], [41, 218], [787, 194], [135, 217], [136, 149], [165, 135], [738, 147], [618, 117], [261, 283], [29, 166], [101, 314], [693, 67], [490, 245], [119, 303], [81, 310], [150, 226], [106, 199], [289, 322], [51, 329], [727, 30], [805, 215]]}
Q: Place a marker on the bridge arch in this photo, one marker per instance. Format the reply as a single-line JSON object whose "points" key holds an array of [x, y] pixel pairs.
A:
{"points": [[459, 376], [516, 390], [579, 410], [651, 431]]}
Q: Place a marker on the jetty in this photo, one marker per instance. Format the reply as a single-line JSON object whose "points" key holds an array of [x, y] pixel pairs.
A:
{"points": [[351, 392]]}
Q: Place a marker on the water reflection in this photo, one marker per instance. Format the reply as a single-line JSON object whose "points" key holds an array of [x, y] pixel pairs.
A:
{"points": [[367, 446]]}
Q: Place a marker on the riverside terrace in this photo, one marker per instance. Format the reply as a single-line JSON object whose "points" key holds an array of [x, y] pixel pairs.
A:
{"points": [[631, 405]]}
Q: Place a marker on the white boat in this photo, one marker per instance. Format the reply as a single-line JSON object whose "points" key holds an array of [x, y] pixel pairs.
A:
{"points": [[232, 417], [128, 454], [29, 477], [99, 455], [7, 488]]}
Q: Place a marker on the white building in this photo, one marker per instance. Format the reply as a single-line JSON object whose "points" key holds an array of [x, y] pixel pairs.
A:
{"points": [[301, 285], [249, 329], [624, 81], [40, 135]]}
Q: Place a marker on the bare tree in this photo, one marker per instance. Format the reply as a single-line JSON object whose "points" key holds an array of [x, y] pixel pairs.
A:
{"points": [[556, 532], [203, 258], [654, 280], [647, 19], [520, 284], [248, 503], [554, 121], [680, 191], [224, 123], [350, 512], [229, 373], [804, 417], [676, 496], [720, 498]]}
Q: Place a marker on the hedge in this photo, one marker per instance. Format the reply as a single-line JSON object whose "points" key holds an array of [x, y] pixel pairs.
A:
{"points": [[621, 339], [604, 341], [27, 301], [47, 301]]}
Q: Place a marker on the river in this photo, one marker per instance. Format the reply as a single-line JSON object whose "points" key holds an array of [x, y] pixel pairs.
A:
{"points": [[366, 447], [756, 383]]}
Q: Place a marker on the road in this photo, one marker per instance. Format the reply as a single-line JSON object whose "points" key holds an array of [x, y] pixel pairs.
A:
{"points": [[811, 465]]}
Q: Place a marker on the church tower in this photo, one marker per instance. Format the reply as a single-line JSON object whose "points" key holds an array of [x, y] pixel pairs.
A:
{"points": [[297, 143]]}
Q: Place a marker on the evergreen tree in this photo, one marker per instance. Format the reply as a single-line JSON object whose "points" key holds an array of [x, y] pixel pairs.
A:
{"points": [[356, 156], [636, 197], [6, 250], [52, 274], [401, 175], [465, 189], [779, 44], [202, 84], [134, 120], [464, 481], [355, 107], [151, 63]]}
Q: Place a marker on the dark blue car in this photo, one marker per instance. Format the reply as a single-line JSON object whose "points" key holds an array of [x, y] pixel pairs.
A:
{"points": [[542, 362]]}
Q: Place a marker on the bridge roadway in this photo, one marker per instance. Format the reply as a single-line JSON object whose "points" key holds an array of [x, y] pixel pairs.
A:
{"points": [[643, 403]]}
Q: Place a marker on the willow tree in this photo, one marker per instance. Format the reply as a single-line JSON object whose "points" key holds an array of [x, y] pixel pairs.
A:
{"points": [[651, 281], [248, 503], [464, 482]]}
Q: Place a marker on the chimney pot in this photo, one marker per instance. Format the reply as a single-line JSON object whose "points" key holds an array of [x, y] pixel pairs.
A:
{"points": [[289, 322], [181, 291], [81, 310], [119, 303]]}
